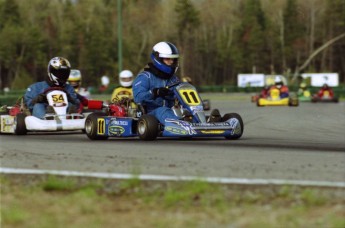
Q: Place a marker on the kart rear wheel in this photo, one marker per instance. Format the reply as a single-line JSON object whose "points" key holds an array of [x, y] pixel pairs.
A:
{"points": [[92, 128], [293, 101], [148, 127], [239, 130], [258, 103], [20, 127]]}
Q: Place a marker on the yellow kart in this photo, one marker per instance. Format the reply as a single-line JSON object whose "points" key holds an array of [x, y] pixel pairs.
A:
{"points": [[275, 100]]}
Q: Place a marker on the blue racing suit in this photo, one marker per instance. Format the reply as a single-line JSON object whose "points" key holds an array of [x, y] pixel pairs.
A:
{"points": [[159, 107], [39, 109]]}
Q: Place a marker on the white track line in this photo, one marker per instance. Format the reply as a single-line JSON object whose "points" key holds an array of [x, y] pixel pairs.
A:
{"points": [[175, 178]]}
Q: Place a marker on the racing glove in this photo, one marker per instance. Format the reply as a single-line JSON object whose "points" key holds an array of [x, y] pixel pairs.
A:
{"points": [[41, 98], [161, 92]]}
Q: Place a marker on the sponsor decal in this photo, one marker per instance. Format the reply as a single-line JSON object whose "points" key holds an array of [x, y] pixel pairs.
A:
{"points": [[216, 132], [235, 124], [176, 130], [118, 122], [7, 124], [116, 130], [184, 125], [220, 124], [196, 109]]}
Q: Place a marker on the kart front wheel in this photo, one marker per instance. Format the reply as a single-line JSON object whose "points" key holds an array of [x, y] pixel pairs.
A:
{"points": [[148, 127], [238, 131], [94, 128], [20, 127]]}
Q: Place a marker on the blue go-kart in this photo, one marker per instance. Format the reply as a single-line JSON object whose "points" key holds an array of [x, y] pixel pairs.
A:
{"points": [[120, 120]]}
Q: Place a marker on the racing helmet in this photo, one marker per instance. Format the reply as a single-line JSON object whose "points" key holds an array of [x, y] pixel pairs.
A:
{"points": [[59, 69], [166, 50], [325, 86], [303, 85], [278, 82], [186, 79], [126, 78], [74, 79]]}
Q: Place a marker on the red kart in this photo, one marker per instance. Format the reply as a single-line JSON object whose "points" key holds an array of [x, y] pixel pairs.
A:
{"points": [[324, 96]]}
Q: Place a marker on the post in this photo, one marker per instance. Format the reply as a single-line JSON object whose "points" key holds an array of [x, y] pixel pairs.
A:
{"points": [[119, 34]]}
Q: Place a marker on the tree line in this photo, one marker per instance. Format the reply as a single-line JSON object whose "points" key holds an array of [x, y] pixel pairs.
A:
{"points": [[217, 39]]}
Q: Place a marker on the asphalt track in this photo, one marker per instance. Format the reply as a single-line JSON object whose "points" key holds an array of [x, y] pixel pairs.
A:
{"points": [[304, 143]]}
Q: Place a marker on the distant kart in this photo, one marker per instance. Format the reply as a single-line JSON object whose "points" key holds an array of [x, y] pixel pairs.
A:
{"points": [[325, 97], [305, 96], [206, 104], [114, 122], [18, 120], [275, 100]]}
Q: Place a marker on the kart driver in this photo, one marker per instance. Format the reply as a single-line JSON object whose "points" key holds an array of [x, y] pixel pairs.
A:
{"points": [[302, 88], [83, 95], [283, 89], [150, 86], [325, 88], [264, 92], [58, 72], [74, 80], [125, 90]]}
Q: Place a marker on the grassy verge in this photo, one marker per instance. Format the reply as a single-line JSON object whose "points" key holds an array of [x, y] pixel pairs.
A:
{"points": [[55, 201]]}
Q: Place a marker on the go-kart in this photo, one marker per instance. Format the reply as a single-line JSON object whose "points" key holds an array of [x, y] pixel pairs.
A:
{"points": [[324, 97], [188, 106], [274, 99], [304, 95], [18, 120]]}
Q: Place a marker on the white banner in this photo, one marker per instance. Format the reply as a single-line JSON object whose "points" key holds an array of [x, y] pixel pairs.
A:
{"points": [[250, 80], [318, 79]]}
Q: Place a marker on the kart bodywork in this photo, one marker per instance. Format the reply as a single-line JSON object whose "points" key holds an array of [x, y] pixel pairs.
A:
{"points": [[275, 100], [325, 97], [192, 123], [18, 120], [305, 96]]}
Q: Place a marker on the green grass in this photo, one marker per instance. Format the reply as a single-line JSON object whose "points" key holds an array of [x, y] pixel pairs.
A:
{"points": [[56, 201]]}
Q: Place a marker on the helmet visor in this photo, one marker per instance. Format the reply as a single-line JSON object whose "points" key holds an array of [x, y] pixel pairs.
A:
{"points": [[62, 74]]}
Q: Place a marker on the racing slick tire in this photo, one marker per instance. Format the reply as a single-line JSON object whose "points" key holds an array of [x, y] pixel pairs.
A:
{"points": [[148, 127], [20, 127], [293, 101], [91, 126], [228, 116], [258, 103]]}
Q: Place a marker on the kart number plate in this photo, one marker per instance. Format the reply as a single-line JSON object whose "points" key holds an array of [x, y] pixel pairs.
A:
{"points": [[7, 124], [190, 97], [58, 99], [100, 126]]}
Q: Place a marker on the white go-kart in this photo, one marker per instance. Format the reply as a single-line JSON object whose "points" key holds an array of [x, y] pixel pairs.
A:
{"points": [[18, 120]]}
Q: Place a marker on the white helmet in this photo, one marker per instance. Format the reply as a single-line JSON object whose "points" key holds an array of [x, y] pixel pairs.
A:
{"points": [[105, 80], [278, 82], [126, 78]]}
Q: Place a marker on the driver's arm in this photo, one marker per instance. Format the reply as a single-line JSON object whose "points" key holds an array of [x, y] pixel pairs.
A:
{"points": [[30, 94], [72, 95]]}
